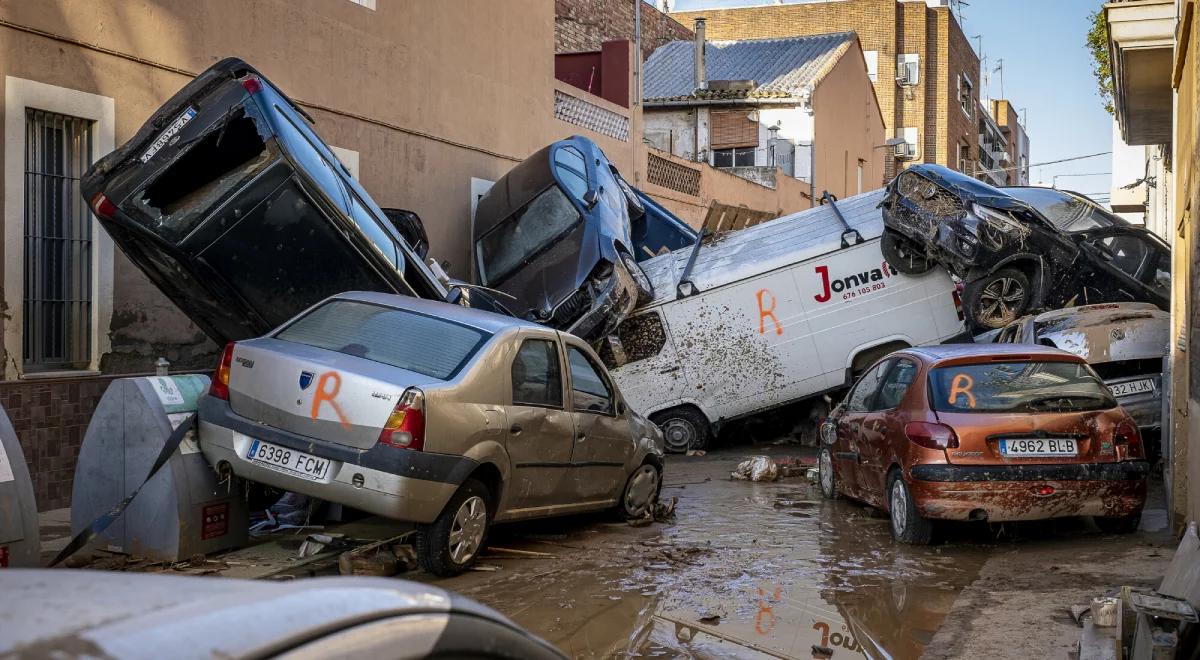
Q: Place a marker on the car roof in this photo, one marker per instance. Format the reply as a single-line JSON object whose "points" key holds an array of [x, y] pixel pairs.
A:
{"points": [[960, 353], [127, 614], [476, 318]]}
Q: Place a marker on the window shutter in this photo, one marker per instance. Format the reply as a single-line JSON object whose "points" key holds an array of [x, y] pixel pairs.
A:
{"points": [[732, 128]]}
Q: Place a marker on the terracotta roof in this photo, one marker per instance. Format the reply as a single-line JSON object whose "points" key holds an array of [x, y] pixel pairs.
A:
{"points": [[782, 68]]}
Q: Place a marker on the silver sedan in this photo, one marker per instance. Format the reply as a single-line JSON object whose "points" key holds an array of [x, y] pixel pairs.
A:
{"points": [[431, 413]]}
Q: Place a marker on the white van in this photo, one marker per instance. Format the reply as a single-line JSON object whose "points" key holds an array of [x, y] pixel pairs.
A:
{"points": [[773, 314]]}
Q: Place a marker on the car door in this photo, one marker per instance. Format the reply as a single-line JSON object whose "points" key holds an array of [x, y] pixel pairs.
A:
{"points": [[541, 431], [603, 441], [848, 452], [1127, 264], [651, 377], [881, 427]]}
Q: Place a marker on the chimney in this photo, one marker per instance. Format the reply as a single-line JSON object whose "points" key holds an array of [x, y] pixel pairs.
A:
{"points": [[701, 83]]}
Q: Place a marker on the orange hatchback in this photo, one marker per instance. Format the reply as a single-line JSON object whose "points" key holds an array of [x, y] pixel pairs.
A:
{"points": [[984, 432]]}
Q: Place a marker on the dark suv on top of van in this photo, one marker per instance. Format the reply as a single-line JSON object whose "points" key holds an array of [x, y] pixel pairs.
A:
{"points": [[233, 206], [562, 234]]}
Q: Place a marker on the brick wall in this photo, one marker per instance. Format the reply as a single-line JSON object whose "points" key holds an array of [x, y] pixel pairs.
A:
{"points": [[889, 28], [582, 25], [50, 418]]}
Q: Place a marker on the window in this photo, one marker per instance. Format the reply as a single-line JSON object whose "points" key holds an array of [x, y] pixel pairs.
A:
{"points": [[872, 59], [1027, 387], [964, 158], [536, 375], [590, 392], [908, 69], [733, 128], [868, 385], [57, 313], [525, 233], [430, 346], [965, 100], [1129, 253], [571, 169], [642, 336], [895, 385], [734, 157]]}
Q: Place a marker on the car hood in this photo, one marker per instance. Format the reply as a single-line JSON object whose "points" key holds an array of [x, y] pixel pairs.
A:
{"points": [[1108, 333], [967, 189]]}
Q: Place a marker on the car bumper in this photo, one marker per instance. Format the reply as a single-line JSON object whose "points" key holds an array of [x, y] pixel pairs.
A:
{"points": [[369, 480], [610, 306], [1019, 492]]}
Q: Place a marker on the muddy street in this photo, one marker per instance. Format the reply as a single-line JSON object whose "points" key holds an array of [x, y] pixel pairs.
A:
{"points": [[770, 569]]}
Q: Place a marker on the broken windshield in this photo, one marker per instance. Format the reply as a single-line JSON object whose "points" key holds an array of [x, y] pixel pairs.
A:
{"points": [[525, 234], [1066, 211], [1018, 387]]}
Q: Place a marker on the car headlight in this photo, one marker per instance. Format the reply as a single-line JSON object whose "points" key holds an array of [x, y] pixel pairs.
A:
{"points": [[997, 228]]}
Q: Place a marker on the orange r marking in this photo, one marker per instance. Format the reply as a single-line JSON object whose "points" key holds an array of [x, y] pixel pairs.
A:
{"points": [[962, 384], [765, 311], [323, 396]]}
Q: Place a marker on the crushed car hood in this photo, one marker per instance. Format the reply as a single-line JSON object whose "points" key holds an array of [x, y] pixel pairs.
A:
{"points": [[967, 189]]}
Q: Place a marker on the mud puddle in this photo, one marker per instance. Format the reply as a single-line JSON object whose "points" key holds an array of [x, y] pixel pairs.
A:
{"points": [[747, 570]]}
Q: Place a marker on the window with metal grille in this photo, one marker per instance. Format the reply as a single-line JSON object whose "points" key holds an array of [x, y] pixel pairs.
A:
{"points": [[57, 312]]}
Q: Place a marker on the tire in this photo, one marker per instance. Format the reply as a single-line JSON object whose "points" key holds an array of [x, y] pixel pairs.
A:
{"points": [[645, 290], [999, 299], [907, 525], [435, 552], [827, 477], [640, 492], [683, 428], [1122, 525], [904, 254]]}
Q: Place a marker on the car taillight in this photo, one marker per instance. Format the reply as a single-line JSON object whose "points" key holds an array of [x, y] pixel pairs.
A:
{"points": [[1128, 436], [102, 207], [220, 382], [251, 84], [405, 427], [931, 435]]}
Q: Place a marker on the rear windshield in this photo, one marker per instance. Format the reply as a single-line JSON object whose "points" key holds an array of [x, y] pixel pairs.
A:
{"points": [[1025, 387], [524, 234], [425, 344]]}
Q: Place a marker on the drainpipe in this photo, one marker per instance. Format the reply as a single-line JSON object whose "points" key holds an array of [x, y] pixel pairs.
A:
{"points": [[699, 56], [637, 46]]}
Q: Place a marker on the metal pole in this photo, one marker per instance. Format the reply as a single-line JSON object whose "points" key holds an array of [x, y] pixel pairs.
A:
{"points": [[637, 46]]}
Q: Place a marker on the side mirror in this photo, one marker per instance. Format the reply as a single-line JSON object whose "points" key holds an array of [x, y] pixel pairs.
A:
{"points": [[591, 198], [617, 350]]}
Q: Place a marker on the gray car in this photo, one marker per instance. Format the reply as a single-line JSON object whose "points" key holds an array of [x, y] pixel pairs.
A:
{"points": [[431, 413], [94, 614]]}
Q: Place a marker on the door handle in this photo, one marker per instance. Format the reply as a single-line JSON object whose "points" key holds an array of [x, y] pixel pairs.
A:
{"points": [[669, 370], [580, 437], [515, 429]]}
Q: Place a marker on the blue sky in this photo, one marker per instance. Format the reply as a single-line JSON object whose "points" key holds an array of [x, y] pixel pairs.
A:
{"points": [[1047, 70]]}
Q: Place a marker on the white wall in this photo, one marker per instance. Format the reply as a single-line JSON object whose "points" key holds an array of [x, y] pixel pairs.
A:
{"points": [[675, 131]]}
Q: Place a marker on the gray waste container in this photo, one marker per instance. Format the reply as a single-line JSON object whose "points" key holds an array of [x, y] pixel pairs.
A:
{"points": [[20, 544], [183, 511]]}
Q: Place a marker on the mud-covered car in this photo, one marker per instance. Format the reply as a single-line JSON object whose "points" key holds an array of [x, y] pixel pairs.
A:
{"points": [[984, 432], [562, 233], [232, 205], [1020, 249], [430, 413], [1125, 344]]}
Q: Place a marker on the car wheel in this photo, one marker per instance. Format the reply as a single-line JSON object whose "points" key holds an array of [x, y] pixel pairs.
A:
{"points": [[827, 477], [683, 429], [1120, 525], [453, 542], [644, 287], [641, 492], [998, 299], [907, 525], [903, 254]]}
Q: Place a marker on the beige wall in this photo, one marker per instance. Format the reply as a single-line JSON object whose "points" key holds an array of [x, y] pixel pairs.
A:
{"points": [[848, 127]]}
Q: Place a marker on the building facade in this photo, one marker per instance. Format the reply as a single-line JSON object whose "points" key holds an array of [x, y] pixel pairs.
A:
{"points": [[1015, 160], [764, 109], [925, 73]]}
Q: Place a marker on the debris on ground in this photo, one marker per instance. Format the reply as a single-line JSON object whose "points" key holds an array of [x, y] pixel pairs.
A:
{"points": [[696, 452], [665, 511], [640, 522], [758, 468], [519, 553], [485, 568], [381, 558]]}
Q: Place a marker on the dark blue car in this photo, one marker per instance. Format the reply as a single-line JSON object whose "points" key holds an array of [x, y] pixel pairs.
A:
{"points": [[562, 233]]}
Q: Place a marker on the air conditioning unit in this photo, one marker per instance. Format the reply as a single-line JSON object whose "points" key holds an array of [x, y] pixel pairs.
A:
{"points": [[907, 73], [905, 151]]}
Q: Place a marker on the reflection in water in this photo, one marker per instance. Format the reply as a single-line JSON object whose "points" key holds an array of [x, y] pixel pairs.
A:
{"points": [[748, 570]]}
